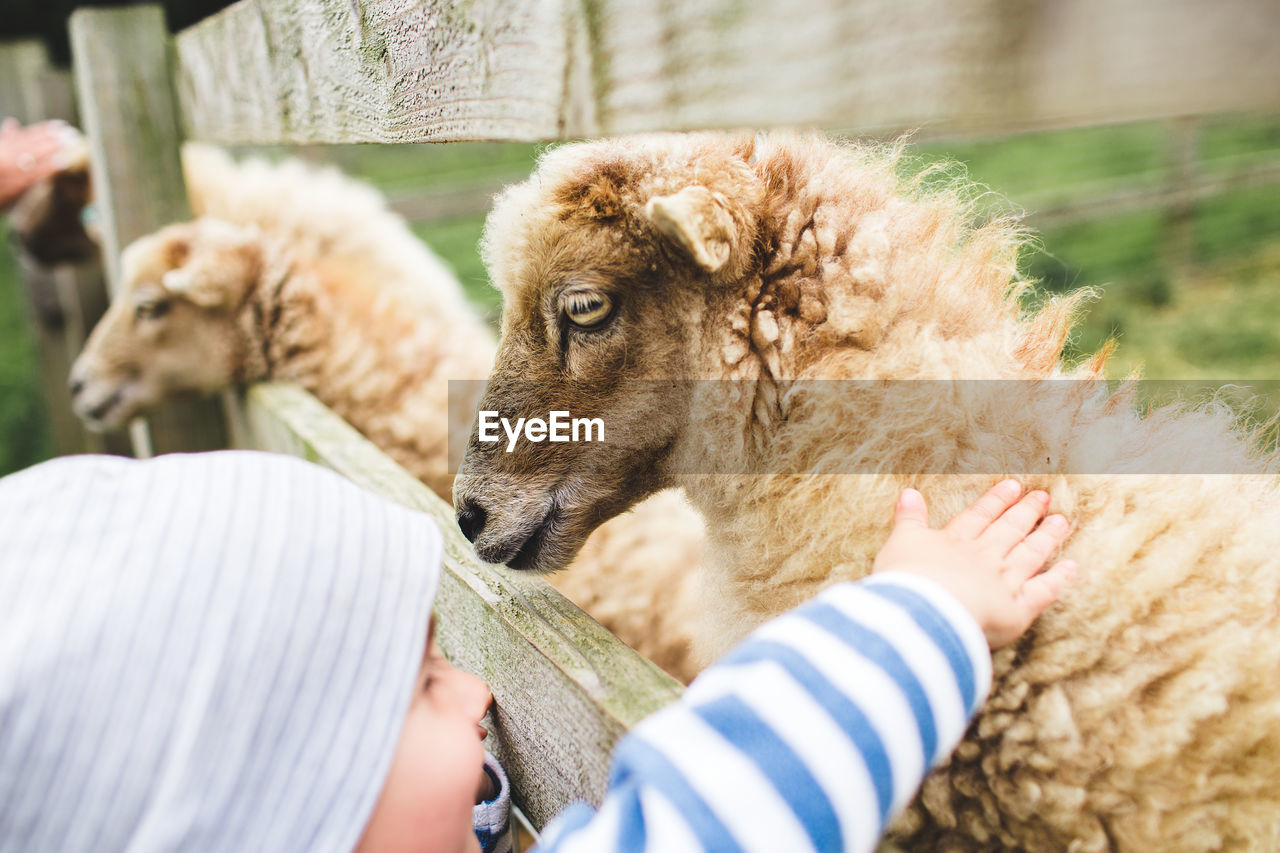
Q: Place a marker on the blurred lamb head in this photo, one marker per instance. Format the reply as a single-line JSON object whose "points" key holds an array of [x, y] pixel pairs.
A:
{"points": [[615, 260], [174, 328]]}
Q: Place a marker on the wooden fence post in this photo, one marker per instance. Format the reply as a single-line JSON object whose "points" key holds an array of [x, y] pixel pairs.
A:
{"points": [[123, 78], [64, 301]]}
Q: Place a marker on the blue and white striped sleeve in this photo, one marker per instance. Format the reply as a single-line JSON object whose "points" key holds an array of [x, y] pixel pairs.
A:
{"points": [[808, 736]]}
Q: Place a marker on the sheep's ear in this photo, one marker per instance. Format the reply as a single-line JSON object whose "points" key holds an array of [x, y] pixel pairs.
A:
{"points": [[195, 286], [698, 221], [180, 282], [211, 263]]}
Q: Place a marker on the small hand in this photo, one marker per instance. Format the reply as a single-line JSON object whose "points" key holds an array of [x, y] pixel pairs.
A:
{"points": [[989, 556]]}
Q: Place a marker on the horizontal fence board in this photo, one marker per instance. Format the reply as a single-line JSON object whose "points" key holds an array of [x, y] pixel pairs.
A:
{"points": [[565, 688], [990, 66], [374, 71], [270, 71]]}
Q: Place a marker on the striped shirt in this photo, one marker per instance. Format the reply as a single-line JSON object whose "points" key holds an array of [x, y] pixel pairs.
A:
{"points": [[809, 736]]}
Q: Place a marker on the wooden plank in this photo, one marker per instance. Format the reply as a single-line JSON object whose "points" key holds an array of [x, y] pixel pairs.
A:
{"points": [[22, 65], [267, 71], [565, 688], [127, 107], [382, 71], [988, 66]]}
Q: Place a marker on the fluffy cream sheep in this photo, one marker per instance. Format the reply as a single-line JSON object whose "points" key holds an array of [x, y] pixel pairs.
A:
{"points": [[1141, 713], [302, 274]]}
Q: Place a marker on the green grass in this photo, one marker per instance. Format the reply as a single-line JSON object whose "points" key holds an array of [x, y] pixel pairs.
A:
{"points": [[1234, 137], [1219, 319], [456, 240], [1219, 322], [25, 436], [1057, 161], [396, 167], [407, 168]]}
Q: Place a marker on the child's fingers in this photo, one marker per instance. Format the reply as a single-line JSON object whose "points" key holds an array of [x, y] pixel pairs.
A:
{"points": [[910, 510], [1016, 522], [1042, 590], [970, 523], [1029, 555]]}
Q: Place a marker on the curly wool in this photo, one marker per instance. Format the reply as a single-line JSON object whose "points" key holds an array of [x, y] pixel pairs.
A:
{"points": [[1142, 712]]}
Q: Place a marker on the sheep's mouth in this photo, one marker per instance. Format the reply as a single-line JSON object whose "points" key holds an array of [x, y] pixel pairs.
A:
{"points": [[99, 416], [529, 554], [525, 547]]}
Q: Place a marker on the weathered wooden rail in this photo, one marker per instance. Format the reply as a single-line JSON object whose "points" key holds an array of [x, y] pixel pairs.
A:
{"points": [[399, 71], [339, 71], [565, 688]]}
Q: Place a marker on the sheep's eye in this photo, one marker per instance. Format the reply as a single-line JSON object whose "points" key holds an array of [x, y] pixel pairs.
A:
{"points": [[587, 308], [151, 309]]}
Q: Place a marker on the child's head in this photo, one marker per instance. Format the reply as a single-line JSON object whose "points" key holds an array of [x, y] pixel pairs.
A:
{"points": [[224, 652], [437, 774]]}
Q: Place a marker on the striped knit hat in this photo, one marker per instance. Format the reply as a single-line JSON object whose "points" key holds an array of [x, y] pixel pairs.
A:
{"points": [[209, 652]]}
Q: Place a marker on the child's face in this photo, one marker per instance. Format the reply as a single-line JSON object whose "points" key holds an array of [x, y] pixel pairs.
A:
{"points": [[437, 774]]}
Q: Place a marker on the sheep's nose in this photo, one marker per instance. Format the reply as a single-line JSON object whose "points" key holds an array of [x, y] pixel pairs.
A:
{"points": [[76, 386], [471, 519]]}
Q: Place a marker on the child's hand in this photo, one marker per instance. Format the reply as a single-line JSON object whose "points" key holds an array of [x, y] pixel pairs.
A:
{"points": [[988, 556]]}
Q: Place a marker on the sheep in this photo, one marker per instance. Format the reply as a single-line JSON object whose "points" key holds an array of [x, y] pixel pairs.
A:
{"points": [[302, 274], [1142, 712], [295, 274]]}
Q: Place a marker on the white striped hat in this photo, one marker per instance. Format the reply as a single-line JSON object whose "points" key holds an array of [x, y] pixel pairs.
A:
{"points": [[211, 652]]}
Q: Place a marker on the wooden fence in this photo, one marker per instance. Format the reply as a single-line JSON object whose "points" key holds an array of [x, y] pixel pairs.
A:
{"points": [[339, 71], [65, 301]]}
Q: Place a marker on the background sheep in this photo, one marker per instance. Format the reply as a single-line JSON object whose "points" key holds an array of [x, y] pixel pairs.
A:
{"points": [[303, 275], [1141, 713]]}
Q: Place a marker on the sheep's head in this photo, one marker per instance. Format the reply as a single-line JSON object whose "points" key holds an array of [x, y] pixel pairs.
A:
{"points": [[611, 259], [173, 328]]}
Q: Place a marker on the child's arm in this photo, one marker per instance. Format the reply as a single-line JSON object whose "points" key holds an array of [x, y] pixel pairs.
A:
{"points": [[820, 726]]}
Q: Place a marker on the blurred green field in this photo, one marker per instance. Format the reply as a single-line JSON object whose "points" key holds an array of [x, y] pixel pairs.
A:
{"points": [[1214, 319], [24, 428], [1218, 318]]}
